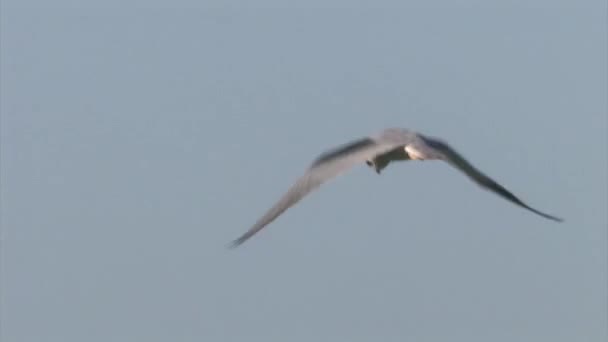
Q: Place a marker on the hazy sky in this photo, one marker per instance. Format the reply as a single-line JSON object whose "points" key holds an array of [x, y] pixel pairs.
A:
{"points": [[138, 138]]}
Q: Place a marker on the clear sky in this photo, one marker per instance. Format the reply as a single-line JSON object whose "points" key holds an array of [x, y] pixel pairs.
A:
{"points": [[138, 138]]}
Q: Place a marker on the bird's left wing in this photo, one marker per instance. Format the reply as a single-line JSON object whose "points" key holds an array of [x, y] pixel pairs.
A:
{"points": [[455, 159], [327, 166]]}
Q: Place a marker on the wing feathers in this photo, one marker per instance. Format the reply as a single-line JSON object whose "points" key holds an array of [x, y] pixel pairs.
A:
{"points": [[343, 150], [301, 188], [334, 162], [458, 161], [327, 166]]}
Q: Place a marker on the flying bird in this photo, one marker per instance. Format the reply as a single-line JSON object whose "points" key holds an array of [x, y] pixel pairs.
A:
{"points": [[377, 151]]}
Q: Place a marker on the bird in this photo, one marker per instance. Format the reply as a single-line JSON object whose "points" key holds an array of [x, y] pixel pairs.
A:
{"points": [[377, 151]]}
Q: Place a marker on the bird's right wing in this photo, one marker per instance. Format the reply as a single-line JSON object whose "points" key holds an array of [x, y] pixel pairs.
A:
{"points": [[327, 166]]}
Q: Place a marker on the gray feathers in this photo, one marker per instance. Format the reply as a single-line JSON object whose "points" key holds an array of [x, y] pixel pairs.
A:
{"points": [[343, 150], [456, 160], [377, 151]]}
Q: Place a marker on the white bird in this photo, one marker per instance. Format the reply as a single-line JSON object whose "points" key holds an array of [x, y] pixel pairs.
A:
{"points": [[377, 151]]}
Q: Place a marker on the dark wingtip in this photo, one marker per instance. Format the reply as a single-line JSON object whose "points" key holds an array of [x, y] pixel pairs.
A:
{"points": [[547, 216], [234, 244], [556, 219]]}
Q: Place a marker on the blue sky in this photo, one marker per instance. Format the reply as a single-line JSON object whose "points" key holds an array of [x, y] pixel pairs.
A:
{"points": [[139, 138]]}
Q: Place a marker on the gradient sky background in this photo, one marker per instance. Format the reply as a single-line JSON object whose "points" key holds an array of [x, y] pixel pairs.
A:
{"points": [[139, 137]]}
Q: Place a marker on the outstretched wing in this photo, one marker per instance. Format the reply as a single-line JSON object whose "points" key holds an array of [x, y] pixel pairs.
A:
{"points": [[458, 161], [327, 166]]}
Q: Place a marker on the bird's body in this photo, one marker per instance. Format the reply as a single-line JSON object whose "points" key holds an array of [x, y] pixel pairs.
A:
{"points": [[378, 151]]}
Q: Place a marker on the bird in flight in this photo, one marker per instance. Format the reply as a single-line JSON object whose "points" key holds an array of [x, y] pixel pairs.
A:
{"points": [[377, 151]]}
